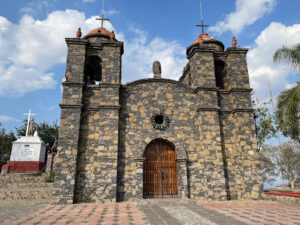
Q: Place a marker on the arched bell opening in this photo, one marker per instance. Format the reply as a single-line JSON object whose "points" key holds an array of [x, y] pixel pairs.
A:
{"points": [[220, 72], [92, 70], [160, 176]]}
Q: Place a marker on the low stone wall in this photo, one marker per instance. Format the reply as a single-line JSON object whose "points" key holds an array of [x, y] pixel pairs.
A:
{"points": [[281, 198], [25, 187]]}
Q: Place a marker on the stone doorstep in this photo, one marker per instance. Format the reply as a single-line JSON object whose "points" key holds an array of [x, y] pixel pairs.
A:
{"points": [[164, 201]]}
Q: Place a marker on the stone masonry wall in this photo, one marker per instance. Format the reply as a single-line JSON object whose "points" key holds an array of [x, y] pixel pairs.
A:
{"points": [[97, 160], [195, 135]]}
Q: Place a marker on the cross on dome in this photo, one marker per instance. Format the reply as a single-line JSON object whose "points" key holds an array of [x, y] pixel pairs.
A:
{"points": [[202, 23], [102, 15]]}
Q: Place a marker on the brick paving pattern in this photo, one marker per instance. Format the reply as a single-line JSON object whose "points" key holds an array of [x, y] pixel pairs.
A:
{"points": [[104, 214], [271, 213], [161, 213]]}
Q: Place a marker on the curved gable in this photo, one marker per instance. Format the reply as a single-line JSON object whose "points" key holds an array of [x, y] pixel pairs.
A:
{"points": [[162, 81]]}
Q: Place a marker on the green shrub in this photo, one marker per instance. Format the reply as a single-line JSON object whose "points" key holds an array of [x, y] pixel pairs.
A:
{"points": [[50, 177]]}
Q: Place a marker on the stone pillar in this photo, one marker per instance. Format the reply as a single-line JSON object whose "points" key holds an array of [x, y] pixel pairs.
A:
{"points": [[182, 178], [139, 176]]}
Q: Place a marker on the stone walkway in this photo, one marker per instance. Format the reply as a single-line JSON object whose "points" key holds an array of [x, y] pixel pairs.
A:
{"points": [[154, 212]]}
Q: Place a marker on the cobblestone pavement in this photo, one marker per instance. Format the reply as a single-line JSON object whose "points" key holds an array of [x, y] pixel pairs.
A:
{"points": [[155, 213]]}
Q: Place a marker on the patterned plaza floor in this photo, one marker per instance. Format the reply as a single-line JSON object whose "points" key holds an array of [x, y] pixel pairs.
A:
{"points": [[160, 213]]}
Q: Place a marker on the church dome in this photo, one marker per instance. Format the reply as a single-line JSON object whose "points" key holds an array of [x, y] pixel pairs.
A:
{"points": [[202, 38], [102, 32], [206, 41]]}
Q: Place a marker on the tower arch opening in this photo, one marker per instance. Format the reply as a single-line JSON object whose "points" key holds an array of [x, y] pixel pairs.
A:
{"points": [[220, 72], [92, 69]]}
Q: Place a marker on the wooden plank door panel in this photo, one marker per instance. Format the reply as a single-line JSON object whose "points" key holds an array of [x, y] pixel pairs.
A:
{"points": [[160, 170]]}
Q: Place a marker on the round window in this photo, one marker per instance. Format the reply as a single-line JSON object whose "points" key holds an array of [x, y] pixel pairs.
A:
{"points": [[160, 121]]}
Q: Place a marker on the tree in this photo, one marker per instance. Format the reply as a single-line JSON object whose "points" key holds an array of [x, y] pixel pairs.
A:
{"points": [[289, 55], [264, 121], [288, 112], [284, 159], [6, 140], [288, 161], [269, 170], [265, 129], [48, 132]]}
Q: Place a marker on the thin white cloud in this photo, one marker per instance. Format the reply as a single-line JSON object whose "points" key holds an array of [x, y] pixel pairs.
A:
{"points": [[4, 118], [35, 6], [247, 12], [260, 59], [111, 12], [85, 1]]}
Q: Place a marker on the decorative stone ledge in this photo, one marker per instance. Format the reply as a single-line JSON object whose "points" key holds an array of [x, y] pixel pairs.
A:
{"points": [[102, 107], [101, 85], [222, 91], [77, 41], [64, 106], [206, 89], [72, 84], [208, 109]]}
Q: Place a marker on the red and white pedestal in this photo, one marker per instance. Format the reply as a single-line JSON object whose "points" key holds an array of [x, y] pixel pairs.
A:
{"points": [[27, 155]]}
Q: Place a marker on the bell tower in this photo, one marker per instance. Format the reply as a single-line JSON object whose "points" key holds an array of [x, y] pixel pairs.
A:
{"points": [[88, 137]]}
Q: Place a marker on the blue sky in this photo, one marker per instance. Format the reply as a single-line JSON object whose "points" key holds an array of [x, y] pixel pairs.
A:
{"points": [[33, 51]]}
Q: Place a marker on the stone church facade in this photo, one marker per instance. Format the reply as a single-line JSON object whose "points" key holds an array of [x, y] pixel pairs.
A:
{"points": [[156, 138]]}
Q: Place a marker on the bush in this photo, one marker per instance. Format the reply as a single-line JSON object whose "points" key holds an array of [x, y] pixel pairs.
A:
{"points": [[50, 177]]}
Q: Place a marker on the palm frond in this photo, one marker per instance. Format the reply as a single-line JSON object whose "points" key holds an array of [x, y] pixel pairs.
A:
{"points": [[289, 55]]}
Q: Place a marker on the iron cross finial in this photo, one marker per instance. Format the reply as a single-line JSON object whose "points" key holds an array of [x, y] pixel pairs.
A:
{"points": [[202, 23], [102, 15]]}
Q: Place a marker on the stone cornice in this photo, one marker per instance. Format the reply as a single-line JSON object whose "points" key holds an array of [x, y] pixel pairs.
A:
{"points": [[235, 50], [65, 106], [155, 80], [238, 110], [222, 91], [206, 89], [197, 48], [72, 84], [102, 107], [102, 85], [76, 41], [217, 109], [201, 109]]}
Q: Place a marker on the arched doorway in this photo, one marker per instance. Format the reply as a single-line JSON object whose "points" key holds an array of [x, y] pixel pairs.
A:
{"points": [[160, 170]]}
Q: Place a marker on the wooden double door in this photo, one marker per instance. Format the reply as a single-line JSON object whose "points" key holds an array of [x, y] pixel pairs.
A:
{"points": [[160, 170]]}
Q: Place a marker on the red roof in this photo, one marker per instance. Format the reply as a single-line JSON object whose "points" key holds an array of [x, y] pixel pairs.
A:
{"points": [[100, 30], [203, 37]]}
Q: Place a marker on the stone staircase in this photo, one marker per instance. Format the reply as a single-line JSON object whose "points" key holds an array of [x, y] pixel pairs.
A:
{"points": [[25, 187]]}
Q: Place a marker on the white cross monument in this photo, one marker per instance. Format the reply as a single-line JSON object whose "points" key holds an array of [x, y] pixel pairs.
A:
{"points": [[28, 152], [28, 120]]}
